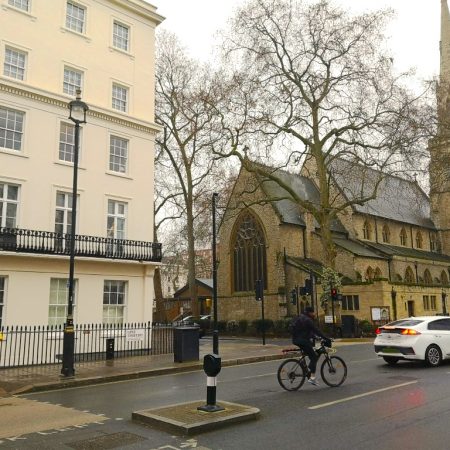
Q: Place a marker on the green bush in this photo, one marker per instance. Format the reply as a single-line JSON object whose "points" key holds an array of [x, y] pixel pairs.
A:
{"points": [[221, 325], [366, 327], [232, 326], [262, 325], [243, 326]]}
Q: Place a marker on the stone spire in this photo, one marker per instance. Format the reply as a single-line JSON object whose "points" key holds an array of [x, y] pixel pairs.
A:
{"points": [[445, 43]]}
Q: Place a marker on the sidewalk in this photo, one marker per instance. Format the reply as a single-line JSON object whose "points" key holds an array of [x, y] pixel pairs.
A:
{"points": [[233, 352]]}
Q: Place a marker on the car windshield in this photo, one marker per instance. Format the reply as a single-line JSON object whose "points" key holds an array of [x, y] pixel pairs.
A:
{"points": [[404, 323]]}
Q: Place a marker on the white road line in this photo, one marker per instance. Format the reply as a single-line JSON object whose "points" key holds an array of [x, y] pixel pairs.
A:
{"points": [[363, 360], [258, 376], [353, 397]]}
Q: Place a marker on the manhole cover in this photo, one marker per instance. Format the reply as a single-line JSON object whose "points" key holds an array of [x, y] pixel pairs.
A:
{"points": [[114, 440]]}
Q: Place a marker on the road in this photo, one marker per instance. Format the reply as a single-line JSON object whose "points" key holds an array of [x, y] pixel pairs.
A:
{"points": [[406, 406]]}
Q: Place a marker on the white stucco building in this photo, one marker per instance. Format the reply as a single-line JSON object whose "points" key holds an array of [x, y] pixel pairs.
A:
{"points": [[48, 50]]}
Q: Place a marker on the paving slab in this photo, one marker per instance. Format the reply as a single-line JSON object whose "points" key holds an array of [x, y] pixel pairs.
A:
{"points": [[186, 419]]}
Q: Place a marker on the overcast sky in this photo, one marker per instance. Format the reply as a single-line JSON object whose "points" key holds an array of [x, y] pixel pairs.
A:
{"points": [[413, 34]]}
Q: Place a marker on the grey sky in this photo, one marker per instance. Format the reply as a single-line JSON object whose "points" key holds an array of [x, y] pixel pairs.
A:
{"points": [[414, 33]]}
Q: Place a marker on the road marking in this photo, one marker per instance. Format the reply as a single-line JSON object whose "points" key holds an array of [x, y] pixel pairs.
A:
{"points": [[353, 397], [256, 376], [363, 360]]}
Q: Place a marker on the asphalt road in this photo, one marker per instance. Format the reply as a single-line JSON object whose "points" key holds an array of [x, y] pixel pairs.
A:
{"points": [[406, 406]]}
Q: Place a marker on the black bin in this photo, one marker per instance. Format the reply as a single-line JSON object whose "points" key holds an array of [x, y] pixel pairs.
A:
{"points": [[186, 344], [110, 348]]}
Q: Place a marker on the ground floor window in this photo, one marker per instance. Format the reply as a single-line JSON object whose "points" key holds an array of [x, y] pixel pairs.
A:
{"points": [[350, 302], [429, 302], [59, 294], [114, 300], [2, 297]]}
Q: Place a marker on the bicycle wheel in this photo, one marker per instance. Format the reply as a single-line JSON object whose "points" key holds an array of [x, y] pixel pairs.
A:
{"points": [[333, 371], [291, 375]]}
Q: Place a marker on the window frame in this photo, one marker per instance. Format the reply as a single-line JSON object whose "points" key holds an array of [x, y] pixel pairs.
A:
{"points": [[18, 68], [110, 306], [386, 234], [71, 70], [16, 132], [403, 237], [60, 319], [116, 38], [3, 293], [4, 200], [111, 163], [115, 100], [116, 216], [68, 23], [12, 4], [68, 142]]}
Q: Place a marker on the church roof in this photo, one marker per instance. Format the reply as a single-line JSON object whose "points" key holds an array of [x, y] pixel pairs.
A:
{"points": [[357, 248], [289, 211], [415, 253], [397, 198]]}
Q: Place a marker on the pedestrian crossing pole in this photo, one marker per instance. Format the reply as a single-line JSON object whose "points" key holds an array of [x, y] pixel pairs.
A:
{"points": [[212, 363]]}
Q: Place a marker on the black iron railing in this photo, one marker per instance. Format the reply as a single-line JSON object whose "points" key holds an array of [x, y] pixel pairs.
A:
{"points": [[38, 345], [48, 242]]}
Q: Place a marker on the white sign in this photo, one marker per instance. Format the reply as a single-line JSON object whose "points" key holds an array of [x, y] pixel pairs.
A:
{"points": [[328, 319], [134, 335]]}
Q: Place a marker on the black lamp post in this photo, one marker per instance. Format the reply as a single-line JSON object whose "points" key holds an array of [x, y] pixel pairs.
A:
{"points": [[78, 110], [394, 303], [444, 303]]}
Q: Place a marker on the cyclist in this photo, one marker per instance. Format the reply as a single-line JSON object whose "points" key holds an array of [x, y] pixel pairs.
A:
{"points": [[303, 333]]}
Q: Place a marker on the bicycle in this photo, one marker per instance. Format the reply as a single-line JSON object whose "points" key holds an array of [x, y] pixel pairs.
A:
{"points": [[293, 372]]}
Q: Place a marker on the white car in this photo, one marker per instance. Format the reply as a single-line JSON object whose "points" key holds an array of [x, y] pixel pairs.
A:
{"points": [[424, 338]]}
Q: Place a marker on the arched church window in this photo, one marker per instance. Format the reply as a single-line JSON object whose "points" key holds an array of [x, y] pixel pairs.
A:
{"points": [[249, 253], [386, 234], [409, 275], [378, 273], [367, 230], [427, 278], [444, 277], [419, 240], [369, 274], [433, 242], [403, 237]]}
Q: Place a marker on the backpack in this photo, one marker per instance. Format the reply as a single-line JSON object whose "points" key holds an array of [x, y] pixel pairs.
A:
{"points": [[293, 324]]}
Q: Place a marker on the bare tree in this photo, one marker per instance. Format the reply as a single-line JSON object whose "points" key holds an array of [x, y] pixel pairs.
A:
{"points": [[306, 83], [184, 109]]}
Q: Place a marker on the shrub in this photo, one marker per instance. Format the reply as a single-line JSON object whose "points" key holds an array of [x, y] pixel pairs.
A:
{"points": [[243, 326], [232, 325], [366, 327], [262, 325], [221, 325]]}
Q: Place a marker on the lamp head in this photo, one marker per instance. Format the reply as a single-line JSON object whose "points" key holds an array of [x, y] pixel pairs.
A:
{"points": [[78, 109]]}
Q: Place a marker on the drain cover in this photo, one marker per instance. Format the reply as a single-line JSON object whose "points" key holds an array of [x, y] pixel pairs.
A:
{"points": [[114, 440]]}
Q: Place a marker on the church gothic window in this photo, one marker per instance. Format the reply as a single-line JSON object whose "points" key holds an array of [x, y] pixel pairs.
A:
{"points": [[378, 273], [249, 253], [386, 233], [444, 278], [403, 237], [427, 278], [419, 240], [367, 230], [409, 275], [433, 242], [369, 274]]}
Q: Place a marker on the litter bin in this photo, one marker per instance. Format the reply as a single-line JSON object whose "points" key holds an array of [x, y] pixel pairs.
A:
{"points": [[186, 344], [110, 348]]}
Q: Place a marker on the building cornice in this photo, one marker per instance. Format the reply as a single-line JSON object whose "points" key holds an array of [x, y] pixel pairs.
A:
{"points": [[142, 8], [95, 112]]}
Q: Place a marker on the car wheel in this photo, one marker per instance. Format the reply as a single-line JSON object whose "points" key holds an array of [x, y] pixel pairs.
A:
{"points": [[433, 356], [391, 360]]}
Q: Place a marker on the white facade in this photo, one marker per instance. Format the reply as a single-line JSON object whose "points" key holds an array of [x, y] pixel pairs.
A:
{"points": [[47, 50]]}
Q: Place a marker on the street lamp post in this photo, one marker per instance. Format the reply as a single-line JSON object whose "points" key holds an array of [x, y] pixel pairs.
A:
{"points": [[444, 303], [78, 110]]}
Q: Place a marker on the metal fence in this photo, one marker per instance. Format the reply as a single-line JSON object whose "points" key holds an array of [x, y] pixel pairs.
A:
{"points": [[37, 345]]}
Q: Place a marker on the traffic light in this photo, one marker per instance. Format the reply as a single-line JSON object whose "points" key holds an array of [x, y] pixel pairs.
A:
{"points": [[294, 296], [334, 294], [308, 287], [259, 290]]}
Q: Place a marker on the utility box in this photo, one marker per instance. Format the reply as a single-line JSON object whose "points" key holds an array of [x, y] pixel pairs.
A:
{"points": [[110, 348], [186, 344]]}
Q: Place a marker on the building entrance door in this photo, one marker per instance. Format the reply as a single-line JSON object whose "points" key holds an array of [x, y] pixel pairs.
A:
{"points": [[410, 308]]}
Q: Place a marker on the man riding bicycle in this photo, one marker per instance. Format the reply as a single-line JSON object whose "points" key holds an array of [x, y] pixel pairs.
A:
{"points": [[303, 333]]}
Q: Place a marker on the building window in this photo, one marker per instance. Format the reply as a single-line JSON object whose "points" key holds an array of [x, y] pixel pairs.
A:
{"points": [[433, 242], [119, 97], [419, 240], [118, 154], [121, 35], [427, 278], [75, 17], [350, 302], [72, 81], [403, 237], [386, 234], [63, 213], [9, 202], [367, 230], [14, 65], [2, 297], [378, 273], [11, 128], [369, 274], [114, 299], [409, 275], [444, 278], [249, 254], [59, 294], [67, 142], [24, 5], [429, 302], [116, 221]]}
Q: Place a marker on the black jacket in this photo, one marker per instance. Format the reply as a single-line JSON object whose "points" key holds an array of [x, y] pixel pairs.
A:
{"points": [[303, 328]]}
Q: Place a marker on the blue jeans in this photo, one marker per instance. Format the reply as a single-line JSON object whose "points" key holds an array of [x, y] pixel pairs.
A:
{"points": [[308, 349]]}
